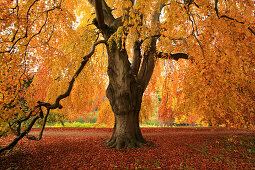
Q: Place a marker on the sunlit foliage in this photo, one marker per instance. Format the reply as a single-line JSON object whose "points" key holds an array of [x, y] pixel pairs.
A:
{"points": [[42, 44]]}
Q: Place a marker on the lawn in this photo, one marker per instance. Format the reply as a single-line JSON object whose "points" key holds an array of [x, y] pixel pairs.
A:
{"points": [[171, 148]]}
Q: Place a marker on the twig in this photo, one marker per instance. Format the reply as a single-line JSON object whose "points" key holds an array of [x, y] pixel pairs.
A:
{"points": [[229, 18]]}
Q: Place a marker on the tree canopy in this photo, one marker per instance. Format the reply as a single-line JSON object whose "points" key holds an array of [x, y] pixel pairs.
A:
{"points": [[201, 53]]}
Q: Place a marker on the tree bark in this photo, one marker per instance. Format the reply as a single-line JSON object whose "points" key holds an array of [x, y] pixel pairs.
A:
{"points": [[126, 132], [126, 83], [125, 96]]}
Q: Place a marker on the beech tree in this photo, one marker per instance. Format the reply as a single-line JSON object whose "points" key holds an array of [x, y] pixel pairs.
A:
{"points": [[136, 34]]}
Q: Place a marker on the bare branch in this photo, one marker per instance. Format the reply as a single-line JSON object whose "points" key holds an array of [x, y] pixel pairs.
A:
{"points": [[194, 29], [44, 123], [30, 8], [175, 56], [253, 32], [229, 18], [16, 140], [69, 89], [49, 106]]}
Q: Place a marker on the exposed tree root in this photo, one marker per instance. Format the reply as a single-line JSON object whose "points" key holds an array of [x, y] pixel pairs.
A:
{"points": [[120, 142]]}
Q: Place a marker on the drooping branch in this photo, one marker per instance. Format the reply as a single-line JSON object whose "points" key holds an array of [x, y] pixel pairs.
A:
{"points": [[16, 140], [15, 41], [229, 18], [43, 126], [27, 44], [69, 89], [194, 32], [253, 32], [38, 109]]}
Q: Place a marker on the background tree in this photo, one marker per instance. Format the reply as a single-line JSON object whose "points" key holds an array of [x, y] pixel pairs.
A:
{"points": [[52, 36]]}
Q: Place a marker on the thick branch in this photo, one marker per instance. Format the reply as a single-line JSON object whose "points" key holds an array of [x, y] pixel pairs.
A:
{"points": [[15, 141], [176, 56], [148, 64], [105, 10], [69, 89], [99, 14], [104, 20], [253, 32], [137, 57], [49, 106], [41, 133]]}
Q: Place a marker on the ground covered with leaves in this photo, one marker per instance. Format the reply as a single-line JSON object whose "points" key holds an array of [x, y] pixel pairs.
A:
{"points": [[172, 148]]}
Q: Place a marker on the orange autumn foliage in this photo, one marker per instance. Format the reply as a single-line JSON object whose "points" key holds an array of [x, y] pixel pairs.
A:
{"points": [[46, 40]]}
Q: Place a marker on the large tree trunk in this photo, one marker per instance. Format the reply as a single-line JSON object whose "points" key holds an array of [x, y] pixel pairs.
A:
{"points": [[126, 83], [125, 97], [126, 132]]}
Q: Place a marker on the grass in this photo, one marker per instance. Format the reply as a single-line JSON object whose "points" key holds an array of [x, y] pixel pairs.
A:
{"points": [[158, 124], [243, 146], [100, 125], [229, 146], [78, 124]]}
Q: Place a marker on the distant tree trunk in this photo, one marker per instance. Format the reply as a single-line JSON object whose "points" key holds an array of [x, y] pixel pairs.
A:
{"points": [[125, 97]]}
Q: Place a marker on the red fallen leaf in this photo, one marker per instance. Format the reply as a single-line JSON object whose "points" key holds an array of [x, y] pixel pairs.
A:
{"points": [[174, 148]]}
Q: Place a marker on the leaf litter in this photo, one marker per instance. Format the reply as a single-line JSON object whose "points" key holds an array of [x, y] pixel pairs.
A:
{"points": [[169, 148]]}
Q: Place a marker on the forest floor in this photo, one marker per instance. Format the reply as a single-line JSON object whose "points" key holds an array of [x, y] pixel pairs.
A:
{"points": [[172, 148]]}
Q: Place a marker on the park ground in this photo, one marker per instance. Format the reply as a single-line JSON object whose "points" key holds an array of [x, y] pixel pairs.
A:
{"points": [[169, 148]]}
